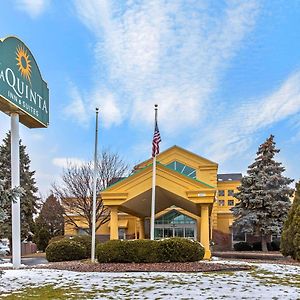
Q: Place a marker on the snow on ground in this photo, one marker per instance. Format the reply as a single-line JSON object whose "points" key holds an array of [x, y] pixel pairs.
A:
{"points": [[267, 281]]}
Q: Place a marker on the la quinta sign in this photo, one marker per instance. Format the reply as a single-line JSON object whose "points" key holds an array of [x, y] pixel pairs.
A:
{"points": [[24, 96], [22, 89]]}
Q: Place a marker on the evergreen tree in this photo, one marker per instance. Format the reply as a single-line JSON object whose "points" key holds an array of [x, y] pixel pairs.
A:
{"points": [[27, 183], [264, 195], [49, 223], [7, 196], [290, 239]]}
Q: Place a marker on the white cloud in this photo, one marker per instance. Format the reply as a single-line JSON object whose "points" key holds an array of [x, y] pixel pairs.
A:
{"points": [[77, 107], [33, 8], [171, 53], [234, 133], [64, 162], [82, 107]]}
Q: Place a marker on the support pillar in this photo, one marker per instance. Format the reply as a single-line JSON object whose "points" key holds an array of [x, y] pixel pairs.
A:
{"points": [[15, 182], [204, 238], [114, 234], [142, 228]]}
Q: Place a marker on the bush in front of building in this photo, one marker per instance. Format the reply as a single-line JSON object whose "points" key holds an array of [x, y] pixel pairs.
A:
{"points": [[179, 250], [65, 250], [56, 238], [126, 251], [275, 245], [84, 240], [147, 251], [242, 246]]}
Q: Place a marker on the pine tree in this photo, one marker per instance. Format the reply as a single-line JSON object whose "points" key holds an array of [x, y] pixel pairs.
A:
{"points": [[27, 182], [7, 196], [264, 195], [290, 239]]}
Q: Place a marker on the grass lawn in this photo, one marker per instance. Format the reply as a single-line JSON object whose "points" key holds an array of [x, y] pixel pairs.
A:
{"points": [[264, 281]]}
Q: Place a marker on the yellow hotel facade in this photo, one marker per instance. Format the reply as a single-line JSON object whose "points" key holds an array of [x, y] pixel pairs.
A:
{"points": [[192, 201]]}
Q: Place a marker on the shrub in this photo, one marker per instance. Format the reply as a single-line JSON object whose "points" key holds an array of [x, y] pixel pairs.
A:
{"points": [[275, 245], [242, 246], [147, 251], [57, 238], [257, 246], [65, 250], [86, 241], [179, 250]]}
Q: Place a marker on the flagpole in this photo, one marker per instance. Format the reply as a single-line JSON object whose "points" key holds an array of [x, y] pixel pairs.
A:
{"points": [[94, 192], [153, 187]]}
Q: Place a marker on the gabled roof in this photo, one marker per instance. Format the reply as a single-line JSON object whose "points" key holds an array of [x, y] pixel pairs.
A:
{"points": [[137, 173], [175, 147]]}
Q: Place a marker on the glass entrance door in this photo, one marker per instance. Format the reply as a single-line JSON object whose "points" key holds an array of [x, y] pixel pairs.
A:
{"points": [[175, 224], [178, 232]]}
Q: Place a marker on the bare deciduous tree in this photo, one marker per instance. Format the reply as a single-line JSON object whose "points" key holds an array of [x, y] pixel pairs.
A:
{"points": [[76, 189]]}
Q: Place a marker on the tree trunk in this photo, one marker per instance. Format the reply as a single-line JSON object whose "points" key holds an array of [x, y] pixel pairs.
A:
{"points": [[264, 247]]}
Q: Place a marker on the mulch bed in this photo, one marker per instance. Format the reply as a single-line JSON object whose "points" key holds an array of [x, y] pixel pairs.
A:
{"points": [[87, 266]]}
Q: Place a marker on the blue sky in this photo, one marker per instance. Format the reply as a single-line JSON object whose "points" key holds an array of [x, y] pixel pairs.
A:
{"points": [[226, 74]]}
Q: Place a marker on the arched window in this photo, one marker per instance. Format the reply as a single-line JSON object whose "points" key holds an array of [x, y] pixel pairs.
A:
{"points": [[183, 169], [175, 217]]}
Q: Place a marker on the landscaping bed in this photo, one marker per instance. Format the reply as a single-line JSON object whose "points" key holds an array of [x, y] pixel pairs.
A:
{"points": [[87, 266]]}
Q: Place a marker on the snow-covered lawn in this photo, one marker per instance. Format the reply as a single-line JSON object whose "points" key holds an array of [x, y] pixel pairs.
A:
{"points": [[266, 281]]}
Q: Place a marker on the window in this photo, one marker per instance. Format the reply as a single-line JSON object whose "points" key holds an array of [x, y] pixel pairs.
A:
{"points": [[221, 193], [231, 193], [183, 169], [122, 234], [221, 203], [275, 238], [230, 202], [81, 231], [174, 217]]}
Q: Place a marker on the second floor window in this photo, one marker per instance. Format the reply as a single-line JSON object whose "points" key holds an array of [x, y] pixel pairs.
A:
{"points": [[221, 203], [230, 192], [221, 193], [230, 202]]}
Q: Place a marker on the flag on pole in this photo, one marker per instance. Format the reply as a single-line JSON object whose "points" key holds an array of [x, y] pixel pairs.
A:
{"points": [[156, 140]]}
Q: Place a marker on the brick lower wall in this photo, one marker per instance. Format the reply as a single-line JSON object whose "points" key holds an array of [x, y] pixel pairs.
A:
{"points": [[222, 241]]}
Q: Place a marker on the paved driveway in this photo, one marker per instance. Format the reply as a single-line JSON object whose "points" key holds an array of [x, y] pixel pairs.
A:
{"points": [[28, 261]]}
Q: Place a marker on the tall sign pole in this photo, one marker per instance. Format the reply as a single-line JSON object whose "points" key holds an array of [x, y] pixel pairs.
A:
{"points": [[94, 191], [24, 96], [15, 182], [155, 151]]}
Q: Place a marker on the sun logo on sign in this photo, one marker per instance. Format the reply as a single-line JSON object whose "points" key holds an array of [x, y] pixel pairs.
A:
{"points": [[23, 62]]}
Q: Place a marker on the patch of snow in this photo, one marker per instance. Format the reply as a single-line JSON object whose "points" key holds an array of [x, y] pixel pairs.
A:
{"points": [[9, 265], [212, 285]]}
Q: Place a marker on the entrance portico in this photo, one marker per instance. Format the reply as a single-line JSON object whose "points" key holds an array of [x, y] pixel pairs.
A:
{"points": [[174, 189]]}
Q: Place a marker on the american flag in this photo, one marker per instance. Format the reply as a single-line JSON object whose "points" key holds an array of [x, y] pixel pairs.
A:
{"points": [[156, 140]]}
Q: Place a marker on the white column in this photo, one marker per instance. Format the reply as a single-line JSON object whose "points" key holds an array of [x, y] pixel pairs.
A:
{"points": [[15, 182], [93, 250], [152, 221]]}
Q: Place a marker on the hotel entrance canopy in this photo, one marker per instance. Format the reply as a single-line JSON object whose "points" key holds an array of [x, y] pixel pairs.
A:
{"points": [[132, 195]]}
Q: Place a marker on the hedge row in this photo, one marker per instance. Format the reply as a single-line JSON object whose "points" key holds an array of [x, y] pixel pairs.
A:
{"points": [[118, 251], [68, 248], [244, 246], [147, 251]]}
